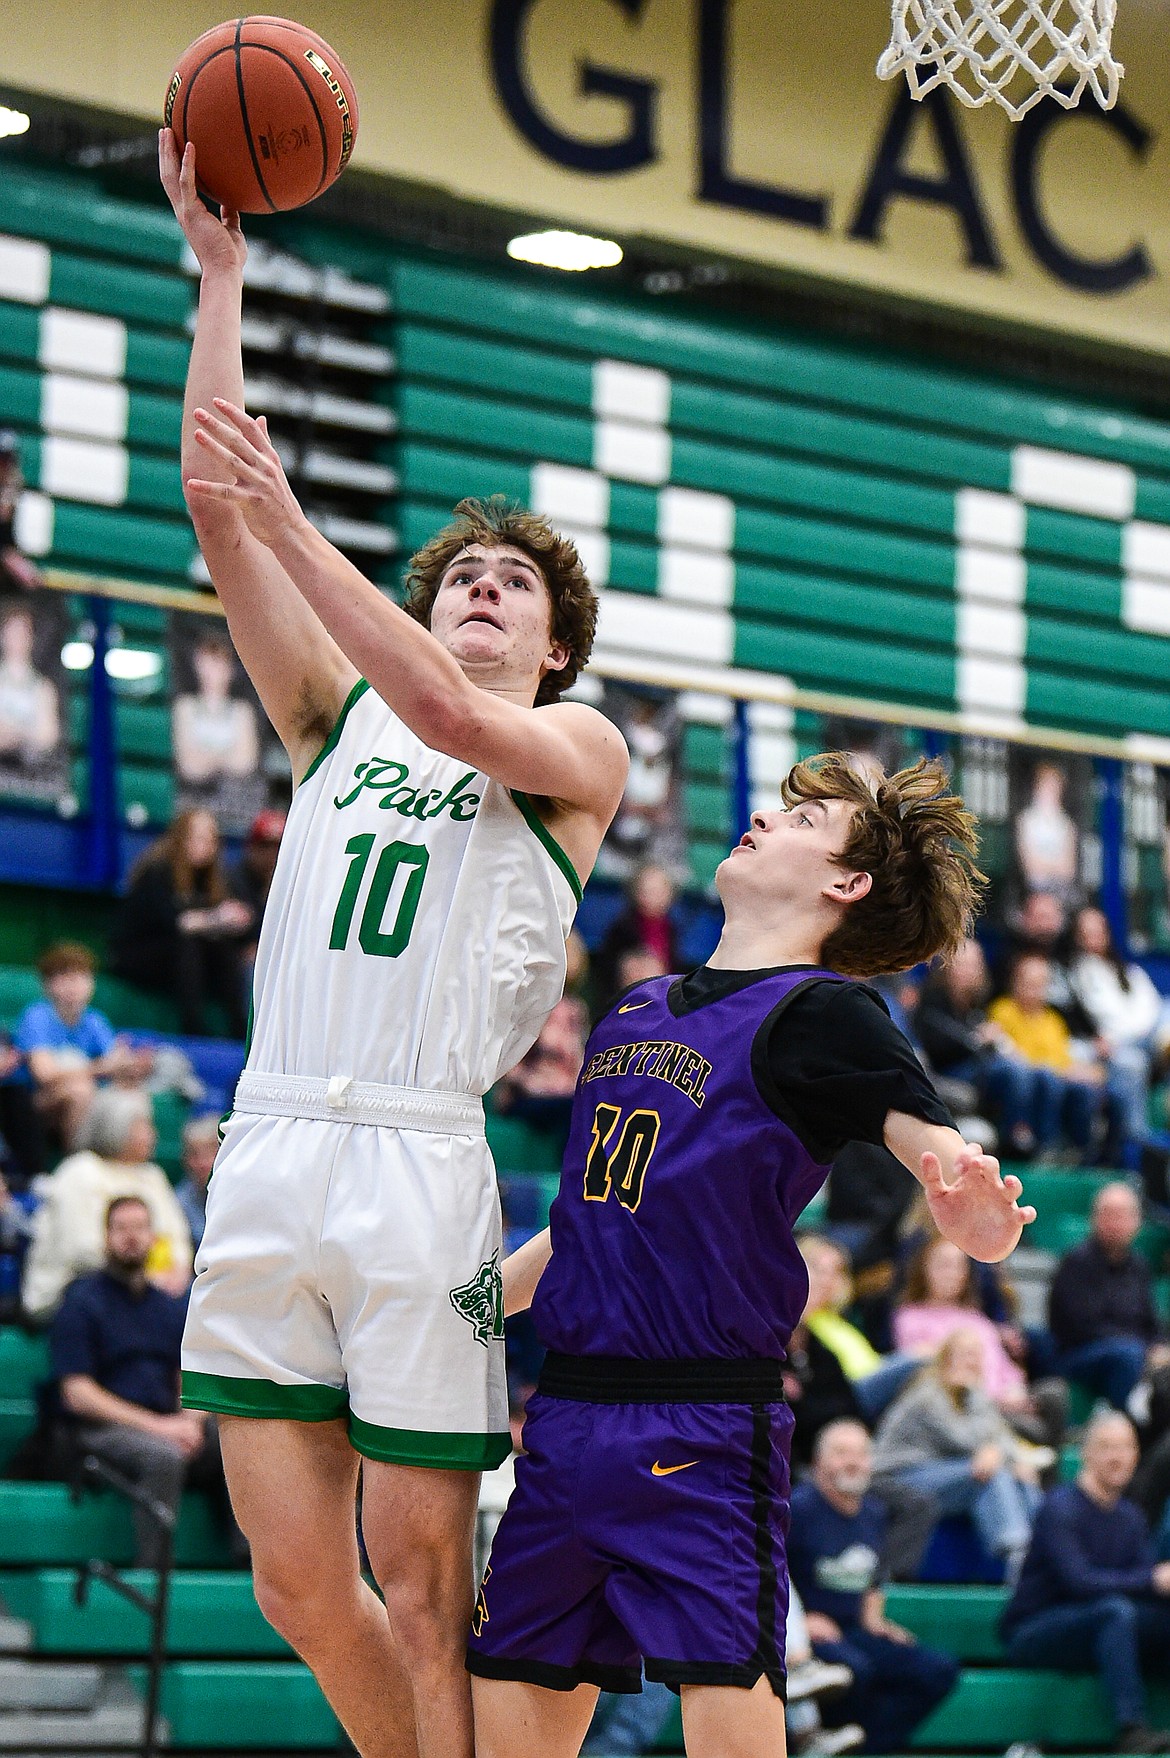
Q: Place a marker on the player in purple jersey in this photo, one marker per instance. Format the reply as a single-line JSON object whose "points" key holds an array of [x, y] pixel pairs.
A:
{"points": [[648, 1523]]}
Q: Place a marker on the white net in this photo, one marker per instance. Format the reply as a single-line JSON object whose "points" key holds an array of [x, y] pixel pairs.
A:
{"points": [[1008, 52]]}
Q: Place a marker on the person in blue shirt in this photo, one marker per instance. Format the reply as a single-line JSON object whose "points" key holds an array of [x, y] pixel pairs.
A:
{"points": [[114, 1348], [68, 1046], [1091, 1596], [835, 1556]]}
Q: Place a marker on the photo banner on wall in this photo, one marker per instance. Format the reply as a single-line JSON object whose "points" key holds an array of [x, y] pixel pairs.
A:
{"points": [[34, 701], [227, 759]]}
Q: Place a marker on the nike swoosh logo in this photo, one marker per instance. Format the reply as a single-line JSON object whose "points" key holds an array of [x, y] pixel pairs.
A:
{"points": [[657, 1470], [633, 1006]]}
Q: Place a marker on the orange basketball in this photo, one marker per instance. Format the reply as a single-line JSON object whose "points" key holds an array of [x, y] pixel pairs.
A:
{"points": [[271, 110]]}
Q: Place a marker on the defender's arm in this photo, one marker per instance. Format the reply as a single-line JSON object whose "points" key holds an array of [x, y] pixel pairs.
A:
{"points": [[973, 1206]]}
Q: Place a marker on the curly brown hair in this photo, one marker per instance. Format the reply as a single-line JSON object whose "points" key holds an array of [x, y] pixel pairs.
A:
{"points": [[497, 521], [918, 842]]}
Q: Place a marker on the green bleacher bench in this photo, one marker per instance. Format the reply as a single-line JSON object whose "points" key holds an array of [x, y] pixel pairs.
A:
{"points": [[992, 1709], [960, 1619], [209, 1613], [518, 1147], [40, 1523], [24, 1361], [18, 1418], [245, 1704]]}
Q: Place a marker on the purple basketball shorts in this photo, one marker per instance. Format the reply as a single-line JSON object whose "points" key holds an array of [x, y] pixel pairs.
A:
{"points": [[641, 1534]]}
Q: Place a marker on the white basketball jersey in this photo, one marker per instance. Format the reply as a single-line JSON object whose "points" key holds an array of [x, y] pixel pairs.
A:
{"points": [[415, 930]]}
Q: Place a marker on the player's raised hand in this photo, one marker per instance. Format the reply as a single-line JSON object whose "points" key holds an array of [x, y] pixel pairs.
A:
{"points": [[217, 243], [978, 1209], [259, 487]]}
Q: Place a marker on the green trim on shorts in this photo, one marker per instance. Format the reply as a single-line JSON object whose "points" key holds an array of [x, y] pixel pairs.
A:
{"points": [[358, 690], [439, 1451], [224, 1395], [543, 834]]}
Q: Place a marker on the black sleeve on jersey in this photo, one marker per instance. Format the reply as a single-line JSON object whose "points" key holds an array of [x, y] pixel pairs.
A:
{"points": [[831, 1063]]}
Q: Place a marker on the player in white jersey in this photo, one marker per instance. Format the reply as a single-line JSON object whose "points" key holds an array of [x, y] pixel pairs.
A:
{"points": [[346, 1308]]}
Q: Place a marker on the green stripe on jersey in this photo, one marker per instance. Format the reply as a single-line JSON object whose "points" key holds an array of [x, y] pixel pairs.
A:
{"points": [[543, 834]]}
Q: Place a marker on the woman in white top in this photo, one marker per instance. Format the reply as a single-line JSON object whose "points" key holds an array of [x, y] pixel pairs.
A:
{"points": [[1125, 1007], [69, 1226]]}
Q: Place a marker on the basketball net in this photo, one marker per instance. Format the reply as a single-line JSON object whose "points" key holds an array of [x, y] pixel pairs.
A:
{"points": [[1008, 52]]}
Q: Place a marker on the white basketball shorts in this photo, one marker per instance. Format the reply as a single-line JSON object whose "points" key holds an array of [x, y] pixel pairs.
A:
{"points": [[351, 1269]]}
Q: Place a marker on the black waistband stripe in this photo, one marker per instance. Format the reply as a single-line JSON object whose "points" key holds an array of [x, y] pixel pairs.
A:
{"points": [[614, 1379]]}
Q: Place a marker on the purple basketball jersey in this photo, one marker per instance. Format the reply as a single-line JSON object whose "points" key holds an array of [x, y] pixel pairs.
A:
{"points": [[673, 1230]]}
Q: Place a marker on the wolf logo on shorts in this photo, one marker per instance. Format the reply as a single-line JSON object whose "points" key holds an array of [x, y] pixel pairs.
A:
{"points": [[481, 1301]]}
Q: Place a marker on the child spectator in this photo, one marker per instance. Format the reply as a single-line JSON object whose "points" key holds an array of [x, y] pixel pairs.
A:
{"points": [[68, 1045], [69, 1226], [941, 1296], [945, 1436], [1068, 1093]]}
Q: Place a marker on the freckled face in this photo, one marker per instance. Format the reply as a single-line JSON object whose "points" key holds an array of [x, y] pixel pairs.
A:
{"points": [[493, 612]]}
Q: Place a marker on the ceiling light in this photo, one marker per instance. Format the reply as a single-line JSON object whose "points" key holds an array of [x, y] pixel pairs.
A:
{"points": [[12, 122], [77, 655], [566, 250], [132, 664]]}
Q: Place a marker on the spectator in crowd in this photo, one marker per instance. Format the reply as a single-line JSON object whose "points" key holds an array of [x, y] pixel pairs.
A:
{"points": [[200, 1146], [962, 1043], [875, 1378], [820, 1394], [1047, 843], [1068, 1092], [252, 881], [645, 925], [114, 1160], [944, 1435], [1091, 1597], [68, 1045], [1041, 926], [806, 1679], [114, 1348], [1124, 1009], [541, 1086], [17, 573], [16, 1227], [180, 931], [941, 1296], [835, 1557], [1100, 1306]]}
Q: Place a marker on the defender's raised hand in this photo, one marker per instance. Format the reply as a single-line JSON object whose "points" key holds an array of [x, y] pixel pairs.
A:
{"points": [[259, 487], [219, 244], [977, 1209]]}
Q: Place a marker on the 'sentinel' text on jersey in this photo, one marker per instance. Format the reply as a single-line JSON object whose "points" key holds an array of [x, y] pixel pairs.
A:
{"points": [[392, 781], [656, 1059]]}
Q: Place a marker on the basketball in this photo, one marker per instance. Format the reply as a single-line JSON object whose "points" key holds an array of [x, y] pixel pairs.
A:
{"points": [[270, 109]]}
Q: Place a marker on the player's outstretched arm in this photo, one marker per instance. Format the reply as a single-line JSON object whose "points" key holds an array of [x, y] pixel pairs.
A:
{"points": [[566, 752], [973, 1205], [523, 1270], [300, 674]]}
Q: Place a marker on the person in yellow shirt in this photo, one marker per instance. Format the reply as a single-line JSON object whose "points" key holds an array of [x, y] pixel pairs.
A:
{"points": [[1067, 1091], [876, 1379]]}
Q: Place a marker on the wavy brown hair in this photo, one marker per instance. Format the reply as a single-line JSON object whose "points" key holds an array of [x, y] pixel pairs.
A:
{"points": [[498, 521], [170, 851], [918, 842], [916, 1291]]}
